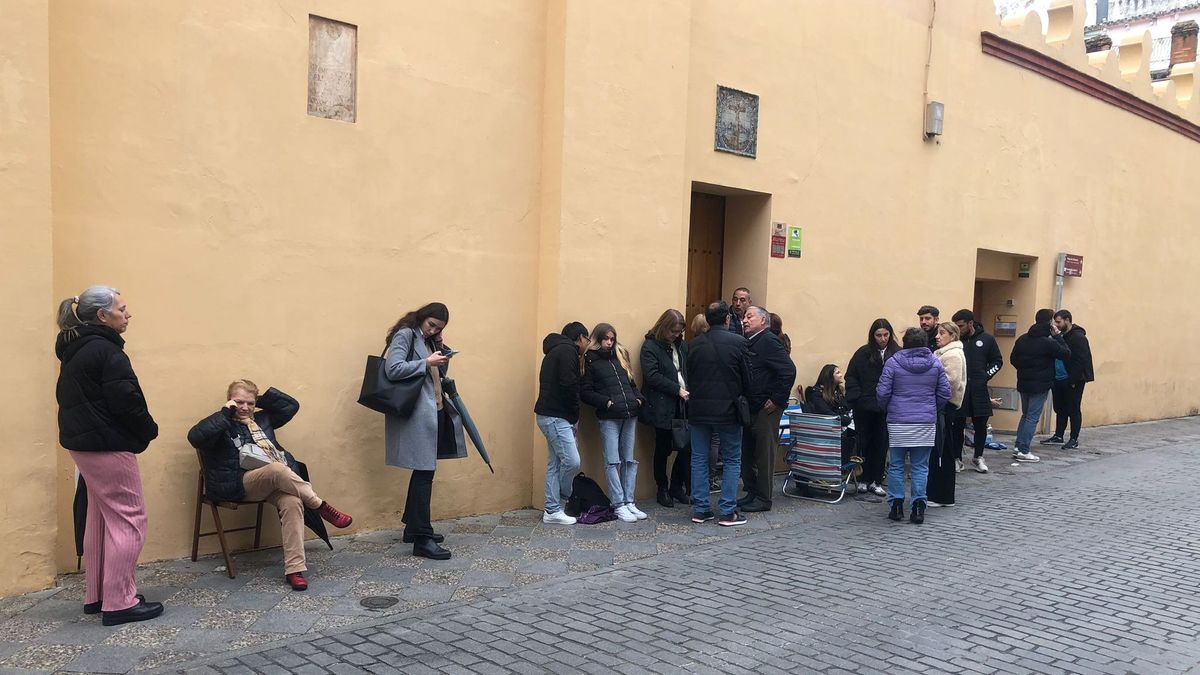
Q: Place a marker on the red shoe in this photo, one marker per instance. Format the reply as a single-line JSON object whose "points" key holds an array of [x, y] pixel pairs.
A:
{"points": [[333, 516], [297, 581]]}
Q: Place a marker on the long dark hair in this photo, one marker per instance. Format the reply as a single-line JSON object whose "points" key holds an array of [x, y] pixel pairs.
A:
{"points": [[415, 318], [892, 346], [829, 388]]}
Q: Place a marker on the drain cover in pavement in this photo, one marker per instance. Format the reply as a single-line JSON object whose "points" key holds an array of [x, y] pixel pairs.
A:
{"points": [[378, 601]]}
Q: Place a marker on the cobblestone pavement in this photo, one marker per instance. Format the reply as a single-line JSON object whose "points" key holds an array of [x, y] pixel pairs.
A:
{"points": [[1082, 563]]}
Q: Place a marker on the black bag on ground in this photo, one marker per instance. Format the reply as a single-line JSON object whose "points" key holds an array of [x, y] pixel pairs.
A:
{"points": [[585, 493]]}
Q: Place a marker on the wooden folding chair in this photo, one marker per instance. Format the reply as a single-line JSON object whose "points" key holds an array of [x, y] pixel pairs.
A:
{"points": [[220, 531]]}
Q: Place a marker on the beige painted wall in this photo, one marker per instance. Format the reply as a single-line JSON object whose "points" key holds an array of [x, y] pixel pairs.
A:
{"points": [[531, 163], [252, 240], [27, 424]]}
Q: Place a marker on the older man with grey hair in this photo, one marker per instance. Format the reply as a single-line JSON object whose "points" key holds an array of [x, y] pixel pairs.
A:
{"points": [[772, 375]]}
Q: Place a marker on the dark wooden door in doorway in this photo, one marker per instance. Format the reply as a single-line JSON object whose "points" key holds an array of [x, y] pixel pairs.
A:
{"points": [[706, 242]]}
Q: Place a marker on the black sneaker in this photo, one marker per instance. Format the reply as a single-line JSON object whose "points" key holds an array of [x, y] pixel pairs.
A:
{"points": [[1071, 444], [731, 520], [1053, 440], [918, 513], [703, 517], [897, 511]]}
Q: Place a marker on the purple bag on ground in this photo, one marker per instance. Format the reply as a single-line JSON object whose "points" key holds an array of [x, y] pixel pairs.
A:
{"points": [[597, 514]]}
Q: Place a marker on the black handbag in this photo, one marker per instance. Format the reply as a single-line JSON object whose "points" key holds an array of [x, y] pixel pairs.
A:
{"points": [[681, 431], [386, 396], [741, 406]]}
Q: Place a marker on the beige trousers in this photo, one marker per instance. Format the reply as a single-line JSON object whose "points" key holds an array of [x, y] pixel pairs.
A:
{"points": [[279, 485]]}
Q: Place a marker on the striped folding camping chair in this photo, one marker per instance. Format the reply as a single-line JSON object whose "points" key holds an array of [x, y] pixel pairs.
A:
{"points": [[815, 458]]}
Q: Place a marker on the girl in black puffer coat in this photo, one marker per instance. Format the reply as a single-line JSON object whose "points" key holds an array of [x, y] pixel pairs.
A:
{"points": [[870, 420], [608, 387]]}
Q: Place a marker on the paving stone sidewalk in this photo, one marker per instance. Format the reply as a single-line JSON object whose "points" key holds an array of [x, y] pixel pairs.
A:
{"points": [[504, 562]]}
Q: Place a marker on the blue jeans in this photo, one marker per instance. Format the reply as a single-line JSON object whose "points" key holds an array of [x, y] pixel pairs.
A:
{"points": [[730, 437], [1031, 414], [620, 468], [563, 461], [920, 472]]}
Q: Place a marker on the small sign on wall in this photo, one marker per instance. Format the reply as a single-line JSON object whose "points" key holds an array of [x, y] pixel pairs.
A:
{"points": [[778, 240], [793, 242]]}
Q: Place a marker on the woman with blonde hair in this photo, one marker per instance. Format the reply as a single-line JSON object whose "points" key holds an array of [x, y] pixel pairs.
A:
{"points": [[698, 325], [248, 419], [664, 357], [608, 387], [951, 423]]}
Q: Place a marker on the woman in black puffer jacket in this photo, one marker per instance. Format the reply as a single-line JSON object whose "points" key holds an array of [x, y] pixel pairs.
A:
{"points": [[104, 423], [608, 387], [870, 421], [220, 438], [664, 359]]}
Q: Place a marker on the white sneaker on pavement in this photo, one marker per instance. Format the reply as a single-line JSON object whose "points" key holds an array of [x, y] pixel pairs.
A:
{"points": [[638, 513], [1028, 457], [624, 514], [958, 466], [979, 465], [862, 487], [557, 518], [878, 490]]}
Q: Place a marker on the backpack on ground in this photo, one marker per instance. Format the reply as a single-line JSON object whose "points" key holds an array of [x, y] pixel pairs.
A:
{"points": [[585, 494]]}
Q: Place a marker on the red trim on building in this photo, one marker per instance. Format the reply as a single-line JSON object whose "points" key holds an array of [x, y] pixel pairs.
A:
{"points": [[1031, 59]]}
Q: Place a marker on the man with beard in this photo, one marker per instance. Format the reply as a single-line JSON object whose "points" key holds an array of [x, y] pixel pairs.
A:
{"points": [[983, 362]]}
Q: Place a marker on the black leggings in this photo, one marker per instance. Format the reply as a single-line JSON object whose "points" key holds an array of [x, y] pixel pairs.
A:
{"points": [[871, 428], [416, 518], [681, 471], [980, 425]]}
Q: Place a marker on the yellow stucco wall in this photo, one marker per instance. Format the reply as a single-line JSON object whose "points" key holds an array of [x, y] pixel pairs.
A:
{"points": [[531, 163], [27, 379]]}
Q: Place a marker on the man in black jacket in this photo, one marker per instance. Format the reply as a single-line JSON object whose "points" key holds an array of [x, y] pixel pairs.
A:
{"points": [[718, 371], [983, 362], [1033, 356], [557, 410], [772, 375], [1068, 386], [737, 310], [927, 316]]}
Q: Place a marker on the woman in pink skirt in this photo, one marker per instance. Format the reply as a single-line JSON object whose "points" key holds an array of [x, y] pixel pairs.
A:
{"points": [[104, 423]]}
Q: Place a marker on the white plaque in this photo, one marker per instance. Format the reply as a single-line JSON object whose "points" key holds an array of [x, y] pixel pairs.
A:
{"points": [[332, 69]]}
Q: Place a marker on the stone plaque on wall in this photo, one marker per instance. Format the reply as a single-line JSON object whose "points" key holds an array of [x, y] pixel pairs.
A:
{"points": [[332, 69], [737, 122]]}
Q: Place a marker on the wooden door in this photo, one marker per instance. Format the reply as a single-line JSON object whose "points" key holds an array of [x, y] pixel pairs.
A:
{"points": [[706, 242]]}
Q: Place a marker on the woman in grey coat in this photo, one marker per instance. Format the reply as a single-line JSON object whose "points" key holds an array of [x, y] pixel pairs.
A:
{"points": [[433, 431]]}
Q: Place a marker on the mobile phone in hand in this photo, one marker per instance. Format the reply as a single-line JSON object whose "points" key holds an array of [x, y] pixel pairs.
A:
{"points": [[448, 352]]}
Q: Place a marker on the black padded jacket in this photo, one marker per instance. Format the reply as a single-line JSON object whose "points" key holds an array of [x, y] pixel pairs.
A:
{"points": [[101, 407], [219, 438]]}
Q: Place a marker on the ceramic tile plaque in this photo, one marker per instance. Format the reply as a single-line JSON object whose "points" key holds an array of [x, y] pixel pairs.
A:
{"points": [[332, 69], [737, 122]]}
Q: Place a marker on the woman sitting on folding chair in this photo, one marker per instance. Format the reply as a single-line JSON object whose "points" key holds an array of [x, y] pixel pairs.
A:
{"points": [[828, 397], [244, 462]]}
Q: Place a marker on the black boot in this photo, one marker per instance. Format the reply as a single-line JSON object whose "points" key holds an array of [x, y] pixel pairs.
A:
{"points": [[664, 498], [918, 513], [680, 495], [897, 512], [428, 548]]}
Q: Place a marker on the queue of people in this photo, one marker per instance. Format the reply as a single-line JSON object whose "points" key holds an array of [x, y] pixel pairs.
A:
{"points": [[714, 402]]}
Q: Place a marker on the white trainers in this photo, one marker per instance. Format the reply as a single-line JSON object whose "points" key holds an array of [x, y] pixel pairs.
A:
{"points": [[624, 514], [1027, 457], [878, 490], [958, 466], [557, 518], [862, 487], [979, 465], [638, 513]]}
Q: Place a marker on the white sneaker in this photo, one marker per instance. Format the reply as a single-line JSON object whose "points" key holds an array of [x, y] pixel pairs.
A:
{"points": [[1028, 457], [878, 490], [557, 518], [641, 515], [624, 514], [979, 465], [933, 504], [958, 466], [862, 487]]}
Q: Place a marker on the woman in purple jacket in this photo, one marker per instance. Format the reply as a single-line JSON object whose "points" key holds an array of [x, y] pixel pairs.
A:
{"points": [[912, 388]]}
